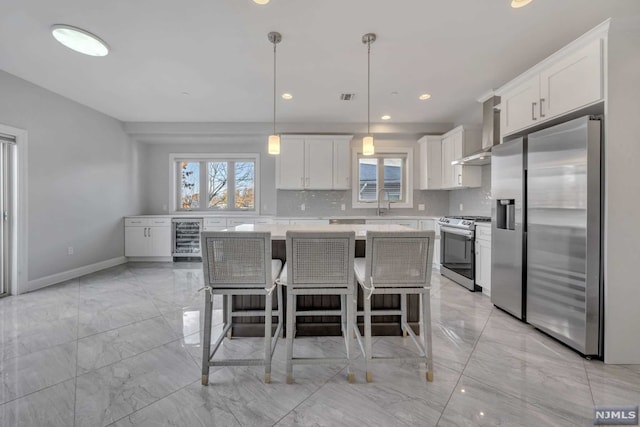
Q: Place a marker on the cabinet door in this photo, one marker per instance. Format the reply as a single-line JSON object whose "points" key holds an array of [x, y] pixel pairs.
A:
{"points": [[430, 149], [520, 106], [159, 241], [573, 82], [135, 241], [318, 164], [342, 165], [447, 158], [483, 265], [290, 164], [457, 143]]}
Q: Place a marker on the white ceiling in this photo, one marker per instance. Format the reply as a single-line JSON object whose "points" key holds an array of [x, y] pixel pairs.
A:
{"points": [[218, 52]]}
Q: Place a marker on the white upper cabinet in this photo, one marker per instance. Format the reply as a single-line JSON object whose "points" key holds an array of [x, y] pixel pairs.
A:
{"points": [[520, 106], [430, 162], [456, 144], [314, 162], [290, 164], [573, 81], [570, 79]]}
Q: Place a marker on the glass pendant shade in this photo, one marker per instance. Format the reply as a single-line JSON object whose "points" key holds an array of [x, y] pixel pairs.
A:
{"points": [[274, 144], [367, 146]]}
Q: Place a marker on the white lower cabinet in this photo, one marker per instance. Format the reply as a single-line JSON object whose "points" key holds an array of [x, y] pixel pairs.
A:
{"points": [[148, 237], [483, 258], [431, 225]]}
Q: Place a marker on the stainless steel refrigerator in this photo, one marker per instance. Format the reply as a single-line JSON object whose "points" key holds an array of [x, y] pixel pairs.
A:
{"points": [[556, 227]]}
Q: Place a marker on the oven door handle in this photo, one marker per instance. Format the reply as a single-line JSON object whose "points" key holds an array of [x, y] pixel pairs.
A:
{"points": [[466, 233]]}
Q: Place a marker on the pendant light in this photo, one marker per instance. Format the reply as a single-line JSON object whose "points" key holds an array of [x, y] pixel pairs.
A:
{"points": [[367, 142], [274, 139]]}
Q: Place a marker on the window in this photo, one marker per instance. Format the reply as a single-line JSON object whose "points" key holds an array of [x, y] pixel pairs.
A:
{"points": [[215, 183], [384, 177]]}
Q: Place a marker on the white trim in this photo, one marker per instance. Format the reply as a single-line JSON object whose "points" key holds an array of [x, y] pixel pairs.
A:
{"points": [[72, 274], [20, 212], [408, 177], [173, 182]]}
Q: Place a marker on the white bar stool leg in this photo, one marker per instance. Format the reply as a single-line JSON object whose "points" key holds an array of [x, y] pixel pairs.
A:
{"points": [[425, 300], [368, 351], [290, 334]]}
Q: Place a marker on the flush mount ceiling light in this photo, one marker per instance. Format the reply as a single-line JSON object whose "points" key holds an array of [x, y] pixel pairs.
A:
{"points": [[519, 3], [274, 139], [424, 97], [367, 142], [79, 40], [386, 117], [261, 2], [287, 96]]}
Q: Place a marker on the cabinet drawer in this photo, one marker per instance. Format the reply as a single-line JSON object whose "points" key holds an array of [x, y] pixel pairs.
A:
{"points": [[215, 222], [483, 233], [428, 224], [407, 223], [136, 222], [232, 222], [158, 222]]}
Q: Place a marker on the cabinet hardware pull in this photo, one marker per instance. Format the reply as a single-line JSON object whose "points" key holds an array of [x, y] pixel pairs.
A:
{"points": [[533, 111], [459, 179], [145, 232], [541, 113], [149, 233]]}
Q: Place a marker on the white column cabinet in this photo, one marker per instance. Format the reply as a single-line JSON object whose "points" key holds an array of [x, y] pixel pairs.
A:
{"points": [[147, 237], [430, 162], [313, 162], [569, 80]]}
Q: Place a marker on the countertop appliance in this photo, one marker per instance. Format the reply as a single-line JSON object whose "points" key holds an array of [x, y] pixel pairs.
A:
{"points": [[186, 237], [457, 249], [547, 232]]}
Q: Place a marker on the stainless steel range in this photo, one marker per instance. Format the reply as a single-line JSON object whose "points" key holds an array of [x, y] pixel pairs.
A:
{"points": [[457, 249]]}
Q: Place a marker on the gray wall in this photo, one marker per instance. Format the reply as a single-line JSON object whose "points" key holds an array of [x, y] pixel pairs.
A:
{"points": [[622, 151], [155, 169], [81, 178], [475, 201]]}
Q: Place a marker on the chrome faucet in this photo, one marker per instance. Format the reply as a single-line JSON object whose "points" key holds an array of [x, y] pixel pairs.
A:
{"points": [[382, 190]]}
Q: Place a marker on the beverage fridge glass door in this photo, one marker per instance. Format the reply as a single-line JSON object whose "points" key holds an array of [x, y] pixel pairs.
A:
{"points": [[563, 233], [507, 234], [457, 255], [186, 237]]}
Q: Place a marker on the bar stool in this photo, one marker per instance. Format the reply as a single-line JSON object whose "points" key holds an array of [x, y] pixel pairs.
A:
{"points": [[320, 264], [397, 263], [239, 263]]}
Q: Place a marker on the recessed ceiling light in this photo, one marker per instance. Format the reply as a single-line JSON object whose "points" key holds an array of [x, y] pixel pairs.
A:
{"points": [[519, 3], [385, 117], [261, 1], [287, 96], [394, 93], [185, 93], [424, 96], [79, 40]]}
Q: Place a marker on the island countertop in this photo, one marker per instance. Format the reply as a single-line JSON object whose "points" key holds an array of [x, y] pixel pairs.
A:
{"points": [[279, 231]]}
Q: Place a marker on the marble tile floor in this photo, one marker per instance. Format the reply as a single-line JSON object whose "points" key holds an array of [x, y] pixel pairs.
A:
{"points": [[121, 347]]}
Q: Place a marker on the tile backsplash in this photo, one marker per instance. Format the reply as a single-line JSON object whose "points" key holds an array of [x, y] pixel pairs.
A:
{"points": [[329, 203], [475, 201]]}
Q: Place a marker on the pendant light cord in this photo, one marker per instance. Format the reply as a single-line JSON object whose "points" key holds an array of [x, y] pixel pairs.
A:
{"points": [[274, 87], [369, 87]]}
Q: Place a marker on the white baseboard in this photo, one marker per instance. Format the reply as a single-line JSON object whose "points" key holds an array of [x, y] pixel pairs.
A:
{"points": [[42, 282]]}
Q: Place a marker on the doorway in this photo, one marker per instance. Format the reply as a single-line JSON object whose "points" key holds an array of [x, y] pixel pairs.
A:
{"points": [[7, 168]]}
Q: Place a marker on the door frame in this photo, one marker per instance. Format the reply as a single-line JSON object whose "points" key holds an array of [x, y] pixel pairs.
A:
{"points": [[19, 212]]}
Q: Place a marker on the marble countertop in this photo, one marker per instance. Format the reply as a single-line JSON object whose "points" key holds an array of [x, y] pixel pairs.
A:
{"points": [[243, 215], [279, 231]]}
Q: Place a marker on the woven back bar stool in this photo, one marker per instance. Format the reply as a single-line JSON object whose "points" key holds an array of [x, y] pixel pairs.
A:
{"points": [[320, 263], [239, 263], [397, 263]]}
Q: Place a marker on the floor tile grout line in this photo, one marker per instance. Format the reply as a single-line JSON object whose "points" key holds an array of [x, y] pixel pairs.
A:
{"points": [[34, 392], [465, 365], [586, 371]]}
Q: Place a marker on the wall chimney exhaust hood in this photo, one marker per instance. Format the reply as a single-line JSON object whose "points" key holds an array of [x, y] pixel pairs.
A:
{"points": [[490, 132]]}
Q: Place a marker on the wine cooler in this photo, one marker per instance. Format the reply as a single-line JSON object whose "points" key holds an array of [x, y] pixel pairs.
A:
{"points": [[186, 237]]}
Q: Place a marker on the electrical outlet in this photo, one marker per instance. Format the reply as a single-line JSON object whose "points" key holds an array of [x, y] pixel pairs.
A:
{"points": [[461, 207], [421, 207], [70, 250], [302, 207], [343, 207]]}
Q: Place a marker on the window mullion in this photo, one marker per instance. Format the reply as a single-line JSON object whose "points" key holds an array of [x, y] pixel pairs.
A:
{"points": [[204, 185], [231, 185]]}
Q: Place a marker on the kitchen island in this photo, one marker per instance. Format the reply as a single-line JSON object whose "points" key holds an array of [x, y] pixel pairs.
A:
{"points": [[325, 325]]}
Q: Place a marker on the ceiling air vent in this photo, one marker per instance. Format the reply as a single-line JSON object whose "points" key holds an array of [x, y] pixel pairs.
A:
{"points": [[347, 96]]}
